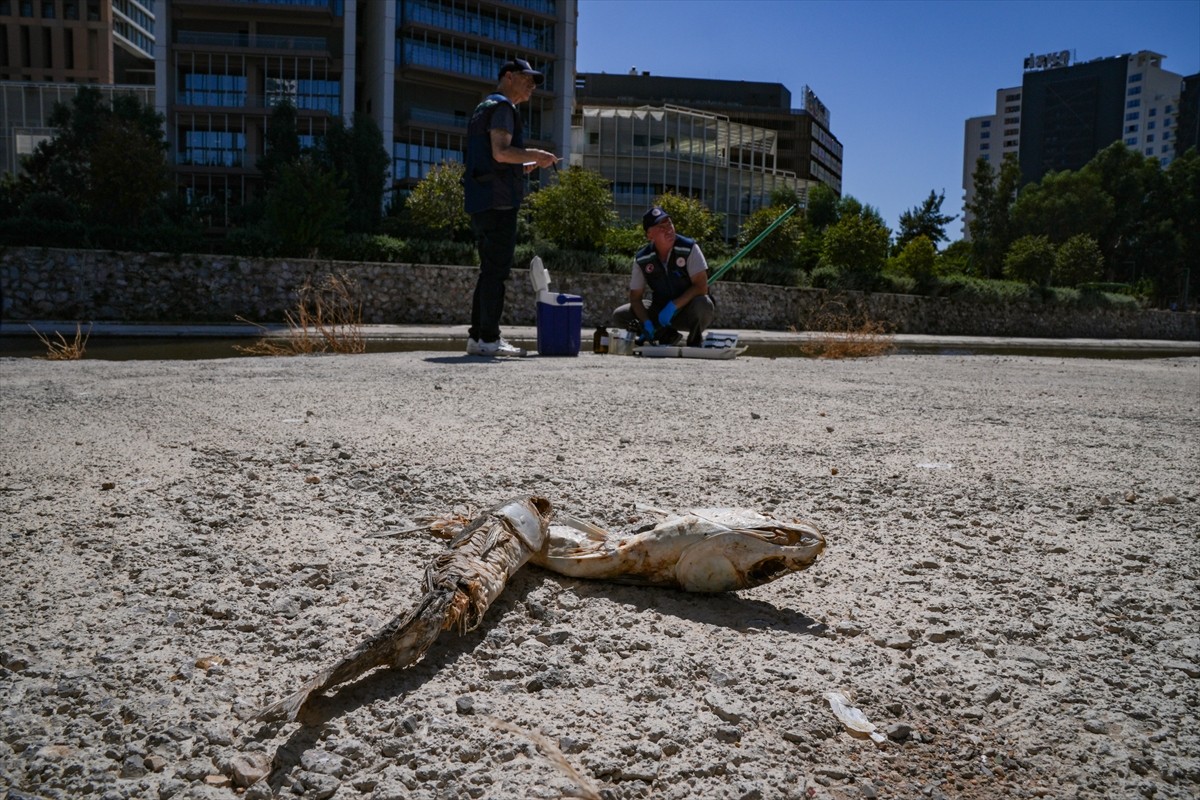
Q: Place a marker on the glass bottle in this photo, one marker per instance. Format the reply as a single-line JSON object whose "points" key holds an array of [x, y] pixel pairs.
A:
{"points": [[600, 339]]}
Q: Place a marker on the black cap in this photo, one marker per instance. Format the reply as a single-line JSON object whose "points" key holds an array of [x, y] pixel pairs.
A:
{"points": [[654, 216], [522, 66]]}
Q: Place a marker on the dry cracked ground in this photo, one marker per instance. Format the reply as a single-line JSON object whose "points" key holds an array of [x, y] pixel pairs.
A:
{"points": [[1009, 591]]}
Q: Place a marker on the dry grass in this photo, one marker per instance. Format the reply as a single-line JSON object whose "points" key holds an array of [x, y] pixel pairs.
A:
{"points": [[327, 319], [840, 332], [59, 349], [582, 786]]}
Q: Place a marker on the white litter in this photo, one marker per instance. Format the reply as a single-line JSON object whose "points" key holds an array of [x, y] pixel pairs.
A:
{"points": [[852, 717]]}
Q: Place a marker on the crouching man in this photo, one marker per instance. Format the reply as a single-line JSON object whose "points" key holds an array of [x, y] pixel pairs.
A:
{"points": [[676, 273]]}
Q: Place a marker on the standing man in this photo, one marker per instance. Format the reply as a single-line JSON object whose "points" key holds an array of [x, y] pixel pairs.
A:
{"points": [[677, 274], [494, 184]]}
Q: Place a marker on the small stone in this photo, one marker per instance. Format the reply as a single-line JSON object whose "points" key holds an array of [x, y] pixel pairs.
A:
{"points": [[312, 479], [249, 768], [899, 732], [1093, 725], [465, 705], [155, 763], [754, 416], [1169, 500], [220, 781]]}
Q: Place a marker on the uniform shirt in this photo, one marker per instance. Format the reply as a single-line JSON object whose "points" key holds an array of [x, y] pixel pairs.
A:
{"points": [[696, 263]]}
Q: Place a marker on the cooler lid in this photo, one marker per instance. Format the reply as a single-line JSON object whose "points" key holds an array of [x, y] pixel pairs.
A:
{"points": [[539, 276]]}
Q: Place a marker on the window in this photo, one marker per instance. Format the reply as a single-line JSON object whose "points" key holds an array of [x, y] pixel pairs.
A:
{"points": [[1134, 90], [1133, 104], [1150, 125], [1150, 137], [984, 146], [203, 89], [47, 9], [1166, 135], [1131, 141], [1132, 115], [213, 148], [1011, 109], [987, 123], [1168, 109], [1010, 142], [70, 9], [1152, 112], [1008, 98], [1131, 128], [985, 135], [1011, 132], [1011, 120], [1149, 151], [26, 8], [1135, 77]]}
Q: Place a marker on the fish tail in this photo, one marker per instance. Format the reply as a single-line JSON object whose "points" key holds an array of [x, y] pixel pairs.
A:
{"points": [[400, 643]]}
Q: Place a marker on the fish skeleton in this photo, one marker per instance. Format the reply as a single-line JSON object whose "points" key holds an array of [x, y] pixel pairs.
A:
{"points": [[707, 550], [460, 585]]}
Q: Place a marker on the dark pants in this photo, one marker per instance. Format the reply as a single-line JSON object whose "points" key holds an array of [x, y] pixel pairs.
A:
{"points": [[692, 318], [496, 239]]}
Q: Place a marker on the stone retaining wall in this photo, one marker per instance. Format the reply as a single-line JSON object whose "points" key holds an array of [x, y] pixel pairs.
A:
{"points": [[100, 286]]}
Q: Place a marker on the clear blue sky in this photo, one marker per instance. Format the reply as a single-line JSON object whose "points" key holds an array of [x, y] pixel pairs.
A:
{"points": [[899, 78]]}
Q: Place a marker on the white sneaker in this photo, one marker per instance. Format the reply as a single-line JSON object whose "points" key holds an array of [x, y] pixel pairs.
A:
{"points": [[473, 347], [501, 348]]}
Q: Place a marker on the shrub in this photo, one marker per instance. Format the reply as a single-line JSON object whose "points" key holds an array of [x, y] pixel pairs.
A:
{"points": [[1030, 259]]}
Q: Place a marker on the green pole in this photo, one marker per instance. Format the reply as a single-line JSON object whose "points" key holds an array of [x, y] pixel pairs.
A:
{"points": [[753, 243]]}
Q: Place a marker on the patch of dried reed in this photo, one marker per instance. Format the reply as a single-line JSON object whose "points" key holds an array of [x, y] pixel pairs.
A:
{"points": [[327, 319], [59, 349], [839, 331]]}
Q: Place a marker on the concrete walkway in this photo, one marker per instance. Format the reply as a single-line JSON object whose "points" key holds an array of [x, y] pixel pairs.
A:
{"points": [[445, 335]]}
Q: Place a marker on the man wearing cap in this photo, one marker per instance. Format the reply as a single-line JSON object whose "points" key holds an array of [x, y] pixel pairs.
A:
{"points": [[494, 184], [676, 272]]}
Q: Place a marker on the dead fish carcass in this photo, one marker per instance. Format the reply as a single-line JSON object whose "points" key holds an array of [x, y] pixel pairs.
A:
{"points": [[460, 585], [708, 550]]}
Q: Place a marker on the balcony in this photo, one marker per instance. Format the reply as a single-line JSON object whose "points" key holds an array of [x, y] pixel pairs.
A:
{"points": [[318, 44]]}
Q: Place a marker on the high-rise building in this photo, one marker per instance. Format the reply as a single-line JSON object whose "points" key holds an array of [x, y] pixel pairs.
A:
{"points": [[1187, 124], [1065, 113], [728, 143], [77, 41], [416, 67], [990, 138], [48, 48]]}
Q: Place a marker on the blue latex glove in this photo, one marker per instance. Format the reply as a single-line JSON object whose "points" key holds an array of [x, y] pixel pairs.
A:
{"points": [[648, 332], [664, 316]]}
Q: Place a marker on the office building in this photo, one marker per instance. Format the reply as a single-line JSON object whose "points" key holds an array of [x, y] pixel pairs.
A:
{"points": [[48, 48], [417, 67], [77, 41], [1065, 113], [1187, 125], [728, 143]]}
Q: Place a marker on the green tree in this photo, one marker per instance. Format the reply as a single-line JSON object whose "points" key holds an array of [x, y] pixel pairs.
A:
{"points": [[855, 242], [1062, 205], [955, 259], [1182, 281], [306, 210], [691, 217], [120, 145], [1030, 259], [1078, 260], [575, 211], [990, 225], [783, 244], [925, 220], [918, 259], [436, 203], [129, 173], [359, 159], [822, 208], [281, 145]]}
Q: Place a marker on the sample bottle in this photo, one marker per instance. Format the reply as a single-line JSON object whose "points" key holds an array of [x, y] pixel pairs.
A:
{"points": [[600, 339]]}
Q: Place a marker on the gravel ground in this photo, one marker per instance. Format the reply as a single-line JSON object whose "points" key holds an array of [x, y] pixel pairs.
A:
{"points": [[1009, 590]]}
